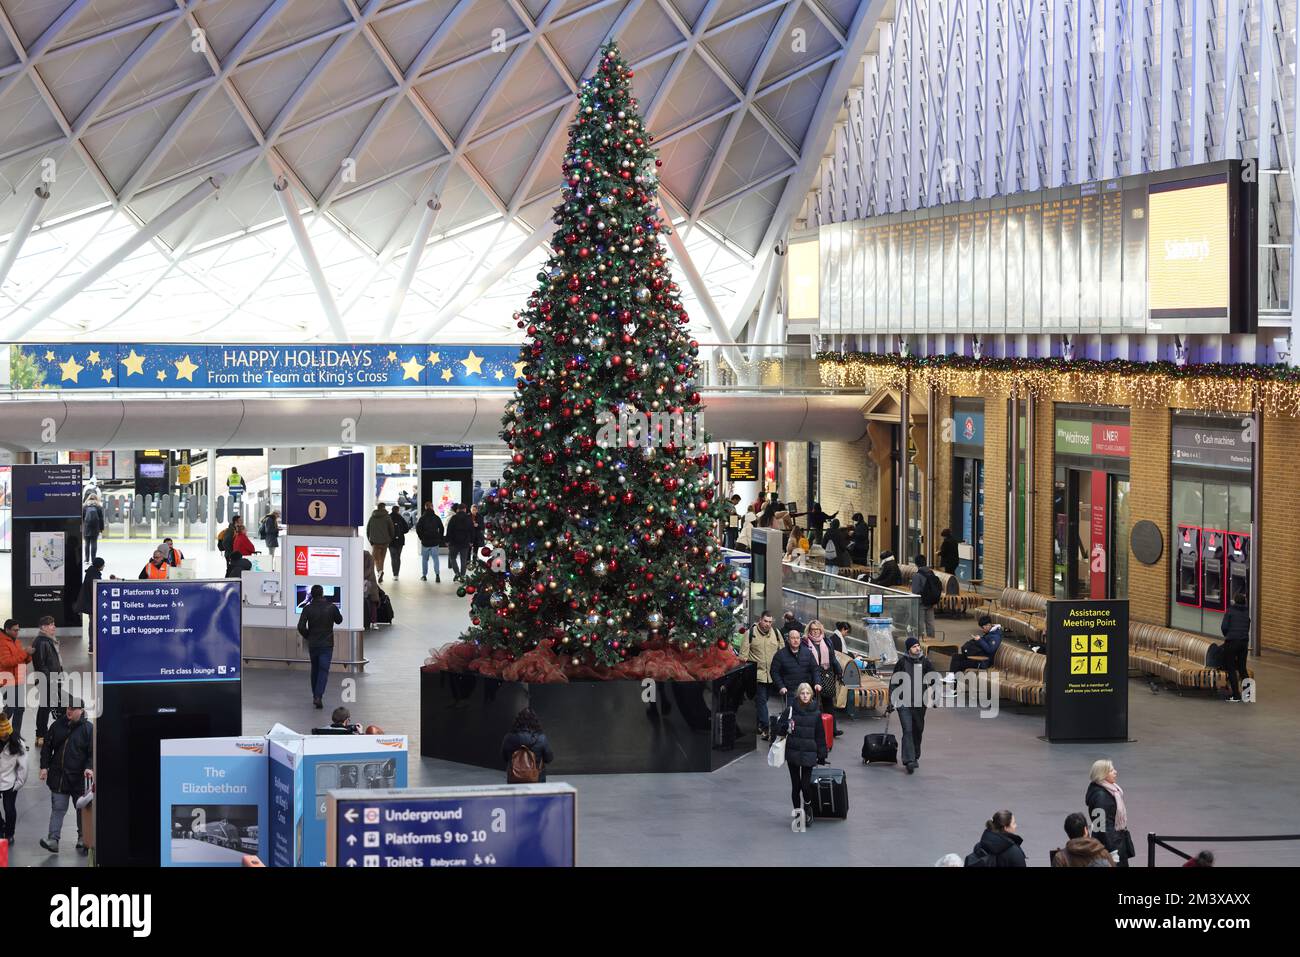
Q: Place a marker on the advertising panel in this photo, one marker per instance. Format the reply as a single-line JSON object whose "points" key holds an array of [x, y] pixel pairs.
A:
{"points": [[1188, 261], [344, 763], [214, 801], [1087, 670], [528, 825]]}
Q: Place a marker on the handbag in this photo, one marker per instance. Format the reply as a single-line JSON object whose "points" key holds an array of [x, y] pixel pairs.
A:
{"points": [[776, 753]]}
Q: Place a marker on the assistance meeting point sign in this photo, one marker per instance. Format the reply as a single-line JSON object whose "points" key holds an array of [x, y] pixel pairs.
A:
{"points": [[513, 825], [1087, 670]]}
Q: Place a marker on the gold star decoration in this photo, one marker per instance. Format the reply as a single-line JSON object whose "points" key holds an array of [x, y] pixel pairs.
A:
{"points": [[185, 369], [49, 355], [472, 363], [134, 364], [93, 358], [446, 375], [411, 369], [392, 356], [434, 358], [162, 375], [519, 369], [498, 375], [107, 373], [71, 369]]}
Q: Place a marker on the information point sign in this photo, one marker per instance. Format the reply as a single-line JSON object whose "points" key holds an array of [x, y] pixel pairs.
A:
{"points": [[1087, 670], [327, 493], [519, 825]]}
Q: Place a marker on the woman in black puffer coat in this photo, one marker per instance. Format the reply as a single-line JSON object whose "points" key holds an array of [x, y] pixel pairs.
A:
{"points": [[805, 747], [1000, 842]]}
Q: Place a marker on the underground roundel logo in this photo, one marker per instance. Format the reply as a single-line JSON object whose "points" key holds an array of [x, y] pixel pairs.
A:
{"points": [[968, 427]]}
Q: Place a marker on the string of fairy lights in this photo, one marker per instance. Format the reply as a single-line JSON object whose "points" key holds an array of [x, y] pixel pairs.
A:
{"points": [[1214, 387]]}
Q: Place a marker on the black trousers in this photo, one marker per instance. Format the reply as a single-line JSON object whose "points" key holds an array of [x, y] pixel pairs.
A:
{"points": [[92, 547], [9, 820], [912, 721], [395, 556], [801, 789], [1234, 662]]}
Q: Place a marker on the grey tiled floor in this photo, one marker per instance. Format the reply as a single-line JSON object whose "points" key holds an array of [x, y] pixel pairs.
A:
{"points": [[1195, 766]]}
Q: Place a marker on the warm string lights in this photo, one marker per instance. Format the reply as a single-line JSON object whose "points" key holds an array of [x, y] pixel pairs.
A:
{"points": [[1144, 385]]}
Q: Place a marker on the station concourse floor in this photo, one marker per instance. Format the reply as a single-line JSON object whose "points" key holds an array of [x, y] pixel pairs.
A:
{"points": [[1196, 765]]}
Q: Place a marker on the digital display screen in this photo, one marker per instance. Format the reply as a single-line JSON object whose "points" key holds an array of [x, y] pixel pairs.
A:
{"points": [[742, 463], [1187, 249], [875, 605], [153, 470], [318, 561], [302, 595]]}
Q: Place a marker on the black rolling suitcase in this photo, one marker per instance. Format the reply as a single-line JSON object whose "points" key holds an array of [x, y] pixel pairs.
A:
{"points": [[880, 748], [384, 615], [830, 793]]}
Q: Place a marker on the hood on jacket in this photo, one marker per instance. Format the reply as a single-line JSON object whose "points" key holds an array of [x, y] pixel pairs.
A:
{"points": [[1082, 851], [998, 842]]}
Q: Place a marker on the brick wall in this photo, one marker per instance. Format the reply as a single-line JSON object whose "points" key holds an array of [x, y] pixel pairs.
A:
{"points": [[941, 421], [793, 477], [1148, 589], [995, 491], [1279, 611], [845, 464], [1042, 487]]}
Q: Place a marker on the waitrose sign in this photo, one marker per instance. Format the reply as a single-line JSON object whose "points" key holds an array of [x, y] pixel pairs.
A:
{"points": [[1092, 438]]}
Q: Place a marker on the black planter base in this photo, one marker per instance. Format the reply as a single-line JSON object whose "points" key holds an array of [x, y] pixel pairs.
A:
{"points": [[595, 727]]}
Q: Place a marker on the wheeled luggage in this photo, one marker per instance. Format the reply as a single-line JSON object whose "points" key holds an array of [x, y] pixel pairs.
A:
{"points": [[828, 730], [830, 793], [880, 748]]}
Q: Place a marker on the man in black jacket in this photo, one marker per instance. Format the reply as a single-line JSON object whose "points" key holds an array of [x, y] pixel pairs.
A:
{"points": [[66, 767], [47, 662], [907, 696], [1236, 643], [794, 665], [460, 539], [432, 535], [316, 625]]}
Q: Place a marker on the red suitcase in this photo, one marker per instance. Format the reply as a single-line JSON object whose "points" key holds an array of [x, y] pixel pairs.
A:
{"points": [[828, 730]]}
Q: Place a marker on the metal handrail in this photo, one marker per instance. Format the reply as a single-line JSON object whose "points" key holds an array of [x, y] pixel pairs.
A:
{"points": [[1154, 839]]}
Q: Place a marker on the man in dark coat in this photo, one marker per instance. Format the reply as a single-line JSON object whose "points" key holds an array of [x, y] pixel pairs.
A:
{"points": [[794, 665], [460, 540], [316, 625], [1236, 643], [66, 768], [432, 535], [907, 697], [949, 558]]}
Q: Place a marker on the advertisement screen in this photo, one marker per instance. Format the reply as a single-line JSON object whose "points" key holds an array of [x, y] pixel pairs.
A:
{"points": [[6, 512], [1187, 250], [302, 595], [444, 495]]}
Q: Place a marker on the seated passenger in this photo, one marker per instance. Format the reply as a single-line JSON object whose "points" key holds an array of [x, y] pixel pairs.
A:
{"points": [[890, 575], [1082, 849], [986, 645]]}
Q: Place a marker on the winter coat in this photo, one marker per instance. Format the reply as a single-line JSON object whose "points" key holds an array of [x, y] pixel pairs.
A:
{"points": [[537, 743], [316, 624], [86, 596], [379, 529], [45, 656], [67, 754], [830, 654], [1004, 848], [429, 530], [805, 743], [891, 576], [841, 539], [400, 528], [858, 543], [990, 642], [746, 535], [1113, 838], [460, 530], [13, 661], [949, 558], [243, 545], [912, 693], [760, 649], [13, 769], [789, 670], [1082, 852], [1236, 624], [271, 533], [919, 579]]}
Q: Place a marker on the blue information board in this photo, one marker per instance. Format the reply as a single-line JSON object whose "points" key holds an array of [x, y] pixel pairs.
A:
{"points": [[528, 825], [284, 800], [170, 630], [47, 491], [214, 807], [326, 493]]}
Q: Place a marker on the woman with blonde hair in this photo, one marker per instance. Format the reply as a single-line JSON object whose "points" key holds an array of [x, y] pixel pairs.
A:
{"points": [[1107, 813], [831, 671], [805, 747]]}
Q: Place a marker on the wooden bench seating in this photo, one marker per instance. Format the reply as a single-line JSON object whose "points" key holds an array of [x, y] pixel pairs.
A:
{"points": [[1178, 657], [1021, 614], [1022, 674]]}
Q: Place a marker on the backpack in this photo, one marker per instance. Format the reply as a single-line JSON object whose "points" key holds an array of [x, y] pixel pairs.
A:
{"points": [[932, 590], [524, 767], [980, 857], [222, 544], [261, 529]]}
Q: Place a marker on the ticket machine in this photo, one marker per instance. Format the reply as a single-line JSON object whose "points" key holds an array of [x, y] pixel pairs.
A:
{"points": [[1214, 568], [1188, 567]]}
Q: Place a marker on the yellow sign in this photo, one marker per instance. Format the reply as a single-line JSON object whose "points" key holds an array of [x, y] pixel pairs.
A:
{"points": [[183, 475], [1098, 664], [1078, 644], [1098, 646], [742, 464], [152, 453], [1079, 664]]}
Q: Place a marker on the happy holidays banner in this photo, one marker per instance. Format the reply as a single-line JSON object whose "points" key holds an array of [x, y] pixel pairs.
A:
{"points": [[220, 367]]}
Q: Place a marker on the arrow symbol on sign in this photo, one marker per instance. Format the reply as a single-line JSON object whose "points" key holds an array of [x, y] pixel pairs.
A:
{"points": [[350, 815], [352, 839], [352, 862]]}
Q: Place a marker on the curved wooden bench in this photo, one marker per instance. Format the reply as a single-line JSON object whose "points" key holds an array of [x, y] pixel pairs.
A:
{"points": [[1176, 656], [1022, 675]]}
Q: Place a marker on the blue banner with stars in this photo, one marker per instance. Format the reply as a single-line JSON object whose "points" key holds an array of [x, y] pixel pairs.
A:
{"points": [[221, 367]]}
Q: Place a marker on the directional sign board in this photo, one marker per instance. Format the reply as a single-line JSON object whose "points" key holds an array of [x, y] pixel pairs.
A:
{"points": [[518, 825], [160, 631]]}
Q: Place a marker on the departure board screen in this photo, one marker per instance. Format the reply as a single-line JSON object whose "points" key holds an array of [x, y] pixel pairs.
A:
{"points": [[951, 269], [1033, 270], [1112, 256], [980, 268], [1089, 258], [1135, 258], [1015, 263], [1071, 203], [998, 266], [1051, 263], [907, 272]]}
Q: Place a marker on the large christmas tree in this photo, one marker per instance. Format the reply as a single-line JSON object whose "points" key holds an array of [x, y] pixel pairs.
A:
{"points": [[600, 549]]}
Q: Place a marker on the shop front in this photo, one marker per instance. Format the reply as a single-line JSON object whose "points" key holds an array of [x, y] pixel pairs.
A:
{"points": [[1211, 469], [1091, 502]]}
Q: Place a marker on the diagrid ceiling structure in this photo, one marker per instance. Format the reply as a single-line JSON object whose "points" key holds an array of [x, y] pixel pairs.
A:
{"points": [[361, 169]]}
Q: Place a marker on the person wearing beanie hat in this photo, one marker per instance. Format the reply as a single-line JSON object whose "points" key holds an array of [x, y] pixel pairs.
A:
{"points": [[907, 697], [13, 775], [982, 648]]}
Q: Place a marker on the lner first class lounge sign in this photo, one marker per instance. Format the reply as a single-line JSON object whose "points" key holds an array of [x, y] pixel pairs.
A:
{"points": [[1087, 670]]}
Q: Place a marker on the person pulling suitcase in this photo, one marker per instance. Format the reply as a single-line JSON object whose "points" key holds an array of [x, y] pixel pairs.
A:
{"points": [[805, 747], [907, 697]]}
